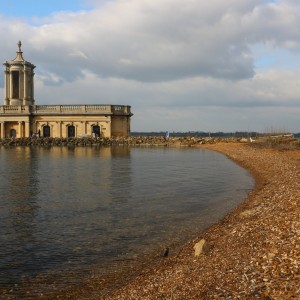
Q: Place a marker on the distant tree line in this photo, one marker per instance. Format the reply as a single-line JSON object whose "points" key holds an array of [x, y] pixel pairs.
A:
{"points": [[202, 134]]}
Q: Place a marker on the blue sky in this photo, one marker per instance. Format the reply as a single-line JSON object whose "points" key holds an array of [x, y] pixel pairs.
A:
{"points": [[38, 8], [194, 65], [277, 57]]}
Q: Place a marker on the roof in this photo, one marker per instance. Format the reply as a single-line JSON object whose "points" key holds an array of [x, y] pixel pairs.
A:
{"points": [[19, 58]]}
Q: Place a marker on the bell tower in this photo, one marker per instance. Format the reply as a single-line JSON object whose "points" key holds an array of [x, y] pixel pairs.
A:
{"points": [[19, 80]]}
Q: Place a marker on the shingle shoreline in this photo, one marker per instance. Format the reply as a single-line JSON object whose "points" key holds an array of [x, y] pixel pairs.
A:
{"points": [[253, 253]]}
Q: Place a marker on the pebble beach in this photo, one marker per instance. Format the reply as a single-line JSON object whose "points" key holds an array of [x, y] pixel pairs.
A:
{"points": [[253, 253]]}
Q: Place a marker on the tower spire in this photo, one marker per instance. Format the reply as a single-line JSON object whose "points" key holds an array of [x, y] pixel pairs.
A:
{"points": [[19, 45], [19, 53]]}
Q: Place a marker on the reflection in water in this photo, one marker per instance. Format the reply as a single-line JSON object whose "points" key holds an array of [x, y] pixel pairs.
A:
{"points": [[19, 208], [67, 214]]}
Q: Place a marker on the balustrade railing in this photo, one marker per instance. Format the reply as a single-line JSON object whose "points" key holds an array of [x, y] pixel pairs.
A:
{"points": [[65, 109], [97, 107], [45, 108], [14, 109], [11, 108], [71, 109]]}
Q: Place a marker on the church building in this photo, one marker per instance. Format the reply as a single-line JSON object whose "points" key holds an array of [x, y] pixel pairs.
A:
{"points": [[21, 117]]}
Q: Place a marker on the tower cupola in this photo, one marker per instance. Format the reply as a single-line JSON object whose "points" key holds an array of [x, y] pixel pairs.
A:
{"points": [[19, 80]]}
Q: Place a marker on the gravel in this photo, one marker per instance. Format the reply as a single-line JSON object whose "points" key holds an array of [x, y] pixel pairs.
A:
{"points": [[253, 253]]}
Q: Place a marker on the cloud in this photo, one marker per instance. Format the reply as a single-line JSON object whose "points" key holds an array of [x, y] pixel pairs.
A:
{"points": [[217, 64], [162, 40], [156, 40]]}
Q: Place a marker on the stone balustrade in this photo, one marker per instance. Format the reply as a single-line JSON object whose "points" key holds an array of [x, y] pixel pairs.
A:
{"points": [[65, 109], [14, 109]]}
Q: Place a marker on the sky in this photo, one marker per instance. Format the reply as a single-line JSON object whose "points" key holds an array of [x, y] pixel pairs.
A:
{"points": [[192, 65]]}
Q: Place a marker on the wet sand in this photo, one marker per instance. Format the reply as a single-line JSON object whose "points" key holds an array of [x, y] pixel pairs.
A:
{"points": [[253, 253]]}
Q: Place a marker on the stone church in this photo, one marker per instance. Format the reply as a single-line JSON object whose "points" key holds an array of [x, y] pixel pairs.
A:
{"points": [[21, 117]]}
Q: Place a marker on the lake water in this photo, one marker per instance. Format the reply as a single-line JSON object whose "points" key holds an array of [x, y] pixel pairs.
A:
{"points": [[79, 217]]}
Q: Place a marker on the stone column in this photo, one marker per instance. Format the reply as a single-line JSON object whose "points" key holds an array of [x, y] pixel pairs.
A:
{"points": [[2, 130], [25, 86], [107, 132], [10, 86], [84, 127], [32, 88], [27, 129], [20, 130], [59, 129], [6, 87]]}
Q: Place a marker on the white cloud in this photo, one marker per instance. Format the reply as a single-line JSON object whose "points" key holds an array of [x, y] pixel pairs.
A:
{"points": [[190, 63]]}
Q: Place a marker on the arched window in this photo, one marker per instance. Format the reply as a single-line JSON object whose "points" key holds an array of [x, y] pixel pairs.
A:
{"points": [[46, 131], [96, 130], [71, 131]]}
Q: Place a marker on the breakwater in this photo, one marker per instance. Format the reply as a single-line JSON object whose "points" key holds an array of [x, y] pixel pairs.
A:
{"points": [[128, 141]]}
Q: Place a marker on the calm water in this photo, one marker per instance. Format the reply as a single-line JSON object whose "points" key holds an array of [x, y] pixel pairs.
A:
{"points": [[72, 217]]}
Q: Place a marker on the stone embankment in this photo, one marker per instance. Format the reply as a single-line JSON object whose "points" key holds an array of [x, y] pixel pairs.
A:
{"points": [[128, 141]]}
